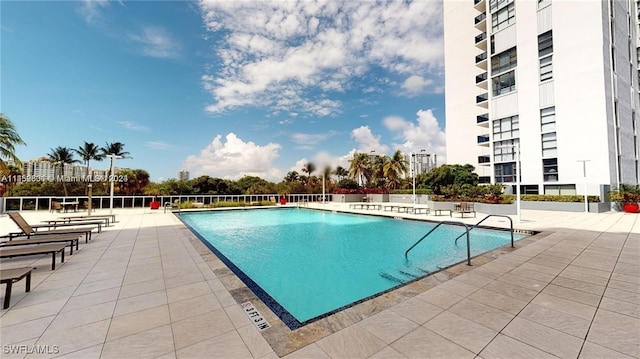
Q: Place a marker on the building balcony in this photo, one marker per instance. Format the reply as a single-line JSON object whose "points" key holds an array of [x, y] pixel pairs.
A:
{"points": [[480, 22], [480, 5], [484, 160], [481, 41], [483, 100], [483, 140], [481, 80], [483, 120], [481, 61]]}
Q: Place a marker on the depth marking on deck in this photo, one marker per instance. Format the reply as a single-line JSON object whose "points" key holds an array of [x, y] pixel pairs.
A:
{"points": [[255, 316]]}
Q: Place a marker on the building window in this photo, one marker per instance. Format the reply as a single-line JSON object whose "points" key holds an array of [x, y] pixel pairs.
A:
{"points": [[550, 169], [545, 50], [504, 83], [505, 128], [549, 145], [546, 68], [545, 44], [504, 151], [548, 119], [505, 172], [543, 3], [503, 17], [560, 189], [495, 4], [504, 61]]}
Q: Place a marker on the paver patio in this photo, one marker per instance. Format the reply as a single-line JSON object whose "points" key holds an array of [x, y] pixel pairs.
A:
{"points": [[147, 287]]}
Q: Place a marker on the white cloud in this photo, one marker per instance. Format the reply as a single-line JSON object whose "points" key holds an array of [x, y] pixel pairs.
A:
{"points": [[296, 55], [425, 134], [368, 141], [157, 42], [322, 160], [133, 126], [235, 158], [158, 145], [91, 10], [311, 139], [415, 85]]}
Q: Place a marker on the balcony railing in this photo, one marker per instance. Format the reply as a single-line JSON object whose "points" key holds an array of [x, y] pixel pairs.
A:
{"points": [[483, 138], [482, 118], [481, 57], [482, 98], [44, 203], [481, 37], [480, 18], [480, 78]]}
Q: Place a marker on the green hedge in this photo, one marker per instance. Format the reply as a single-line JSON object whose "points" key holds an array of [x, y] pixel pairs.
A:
{"points": [[510, 198], [410, 191], [557, 198], [221, 204]]}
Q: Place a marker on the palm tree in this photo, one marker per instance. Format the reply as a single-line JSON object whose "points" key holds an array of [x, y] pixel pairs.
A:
{"points": [[326, 175], [9, 138], [394, 167], [88, 152], [13, 172], [360, 169], [341, 172], [308, 169], [61, 156], [114, 148], [376, 168]]}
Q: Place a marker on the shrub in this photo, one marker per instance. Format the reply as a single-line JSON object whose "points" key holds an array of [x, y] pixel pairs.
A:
{"points": [[410, 191], [625, 194], [557, 198], [361, 190]]}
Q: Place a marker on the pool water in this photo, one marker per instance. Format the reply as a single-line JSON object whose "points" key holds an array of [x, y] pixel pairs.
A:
{"points": [[316, 262]]}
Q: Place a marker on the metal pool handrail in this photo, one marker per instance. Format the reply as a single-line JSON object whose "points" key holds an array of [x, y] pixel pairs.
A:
{"points": [[491, 215], [406, 254]]}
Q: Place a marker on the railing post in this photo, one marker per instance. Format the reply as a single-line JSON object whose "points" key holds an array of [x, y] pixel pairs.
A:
{"points": [[468, 249]]}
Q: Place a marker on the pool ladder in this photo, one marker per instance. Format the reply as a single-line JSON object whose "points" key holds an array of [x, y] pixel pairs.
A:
{"points": [[491, 215], [467, 229], [406, 254]]}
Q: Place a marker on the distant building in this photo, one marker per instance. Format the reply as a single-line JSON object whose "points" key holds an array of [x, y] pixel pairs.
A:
{"points": [[183, 175], [42, 169], [420, 162]]}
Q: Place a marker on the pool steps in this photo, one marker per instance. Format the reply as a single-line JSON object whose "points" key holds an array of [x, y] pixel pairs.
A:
{"points": [[398, 277]]}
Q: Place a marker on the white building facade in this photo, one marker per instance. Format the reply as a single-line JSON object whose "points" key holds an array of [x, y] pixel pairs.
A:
{"points": [[555, 80]]}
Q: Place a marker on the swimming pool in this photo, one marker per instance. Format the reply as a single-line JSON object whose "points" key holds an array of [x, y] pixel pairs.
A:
{"points": [[309, 263]]}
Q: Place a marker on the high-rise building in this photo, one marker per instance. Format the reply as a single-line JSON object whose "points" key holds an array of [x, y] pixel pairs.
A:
{"points": [[554, 83], [183, 175], [42, 169]]}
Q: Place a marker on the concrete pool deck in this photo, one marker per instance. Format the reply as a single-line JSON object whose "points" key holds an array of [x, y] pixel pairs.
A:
{"points": [[147, 287]]}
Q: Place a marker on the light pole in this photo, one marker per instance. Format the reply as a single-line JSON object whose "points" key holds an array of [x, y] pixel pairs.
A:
{"points": [[111, 177], [412, 162], [323, 179], [584, 175], [414, 156]]}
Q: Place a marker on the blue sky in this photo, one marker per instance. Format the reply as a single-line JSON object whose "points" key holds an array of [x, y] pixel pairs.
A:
{"points": [[224, 88]]}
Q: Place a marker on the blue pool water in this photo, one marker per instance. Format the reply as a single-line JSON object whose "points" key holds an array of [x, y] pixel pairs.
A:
{"points": [[315, 262]]}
